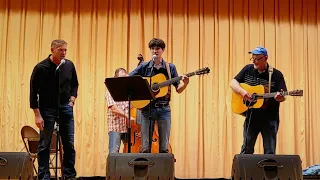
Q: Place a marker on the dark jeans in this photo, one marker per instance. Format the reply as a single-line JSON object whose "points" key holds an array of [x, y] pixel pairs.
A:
{"points": [[268, 129], [163, 117], [66, 131]]}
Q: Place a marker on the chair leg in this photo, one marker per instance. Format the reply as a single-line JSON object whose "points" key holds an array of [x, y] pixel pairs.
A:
{"points": [[53, 166], [34, 167], [61, 162]]}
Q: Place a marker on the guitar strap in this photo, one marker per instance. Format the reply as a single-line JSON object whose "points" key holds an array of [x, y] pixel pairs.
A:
{"points": [[168, 70], [270, 69], [169, 74]]}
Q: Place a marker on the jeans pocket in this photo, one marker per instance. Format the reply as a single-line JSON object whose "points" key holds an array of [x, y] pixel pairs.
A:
{"points": [[51, 113], [167, 108], [67, 110]]}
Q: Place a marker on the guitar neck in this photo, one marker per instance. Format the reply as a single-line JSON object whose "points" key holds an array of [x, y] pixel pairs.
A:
{"points": [[270, 95], [170, 81]]}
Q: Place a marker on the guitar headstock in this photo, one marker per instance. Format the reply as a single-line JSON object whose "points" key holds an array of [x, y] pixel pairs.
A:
{"points": [[296, 93], [205, 70]]}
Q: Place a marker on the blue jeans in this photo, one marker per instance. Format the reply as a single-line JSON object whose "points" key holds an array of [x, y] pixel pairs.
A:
{"points": [[66, 131], [115, 141], [268, 129], [163, 117]]}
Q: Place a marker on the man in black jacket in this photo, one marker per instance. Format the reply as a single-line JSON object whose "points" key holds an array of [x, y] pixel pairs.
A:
{"points": [[53, 90]]}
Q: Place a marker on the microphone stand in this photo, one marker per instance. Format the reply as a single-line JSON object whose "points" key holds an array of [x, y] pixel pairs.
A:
{"points": [[57, 75], [150, 117], [129, 123]]}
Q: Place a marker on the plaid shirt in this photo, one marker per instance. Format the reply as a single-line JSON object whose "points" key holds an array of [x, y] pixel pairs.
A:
{"points": [[116, 123]]}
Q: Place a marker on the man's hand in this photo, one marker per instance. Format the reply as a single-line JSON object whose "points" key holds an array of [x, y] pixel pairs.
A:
{"points": [[181, 87], [278, 97], [246, 96], [185, 79], [39, 122], [71, 103]]}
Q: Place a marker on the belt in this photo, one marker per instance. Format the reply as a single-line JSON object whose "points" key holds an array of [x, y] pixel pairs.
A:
{"points": [[160, 104]]}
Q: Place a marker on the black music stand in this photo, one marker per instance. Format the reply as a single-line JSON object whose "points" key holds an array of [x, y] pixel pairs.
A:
{"points": [[129, 89]]}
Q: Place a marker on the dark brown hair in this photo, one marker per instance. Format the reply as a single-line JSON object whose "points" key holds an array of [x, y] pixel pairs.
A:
{"points": [[156, 42]]}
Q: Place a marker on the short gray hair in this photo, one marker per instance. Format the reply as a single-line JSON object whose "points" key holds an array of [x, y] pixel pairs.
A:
{"points": [[57, 42]]}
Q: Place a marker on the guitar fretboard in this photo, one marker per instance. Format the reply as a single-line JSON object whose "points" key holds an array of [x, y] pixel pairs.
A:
{"points": [[270, 95]]}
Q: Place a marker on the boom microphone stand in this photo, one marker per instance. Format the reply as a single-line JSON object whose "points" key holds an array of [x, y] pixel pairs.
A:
{"points": [[57, 75], [150, 116]]}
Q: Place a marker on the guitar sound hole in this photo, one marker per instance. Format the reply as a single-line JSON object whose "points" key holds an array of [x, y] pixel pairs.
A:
{"points": [[155, 87]]}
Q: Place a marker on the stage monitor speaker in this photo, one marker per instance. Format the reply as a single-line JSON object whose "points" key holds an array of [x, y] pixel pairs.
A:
{"points": [[15, 165], [266, 167], [142, 166]]}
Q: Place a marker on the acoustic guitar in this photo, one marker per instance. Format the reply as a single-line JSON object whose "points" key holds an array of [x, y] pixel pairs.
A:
{"points": [[160, 85], [258, 95]]}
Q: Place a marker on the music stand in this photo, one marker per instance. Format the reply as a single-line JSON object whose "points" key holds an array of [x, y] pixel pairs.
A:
{"points": [[129, 88]]}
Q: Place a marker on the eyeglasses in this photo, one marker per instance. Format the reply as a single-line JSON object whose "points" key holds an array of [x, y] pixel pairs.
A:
{"points": [[256, 59]]}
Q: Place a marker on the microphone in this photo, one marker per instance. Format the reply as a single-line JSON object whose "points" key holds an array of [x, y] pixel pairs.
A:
{"points": [[154, 57], [61, 63]]}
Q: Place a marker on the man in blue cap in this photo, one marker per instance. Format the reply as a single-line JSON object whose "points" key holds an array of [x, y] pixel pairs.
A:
{"points": [[264, 120]]}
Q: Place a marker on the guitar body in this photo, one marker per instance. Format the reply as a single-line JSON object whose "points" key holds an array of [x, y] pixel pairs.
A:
{"points": [[237, 103], [156, 79]]}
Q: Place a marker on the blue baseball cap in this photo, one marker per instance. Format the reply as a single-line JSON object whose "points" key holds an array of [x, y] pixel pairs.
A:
{"points": [[259, 50]]}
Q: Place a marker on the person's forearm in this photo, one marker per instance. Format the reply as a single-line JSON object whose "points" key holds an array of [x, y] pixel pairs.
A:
{"points": [[34, 87], [118, 111], [181, 88], [36, 112], [235, 86]]}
